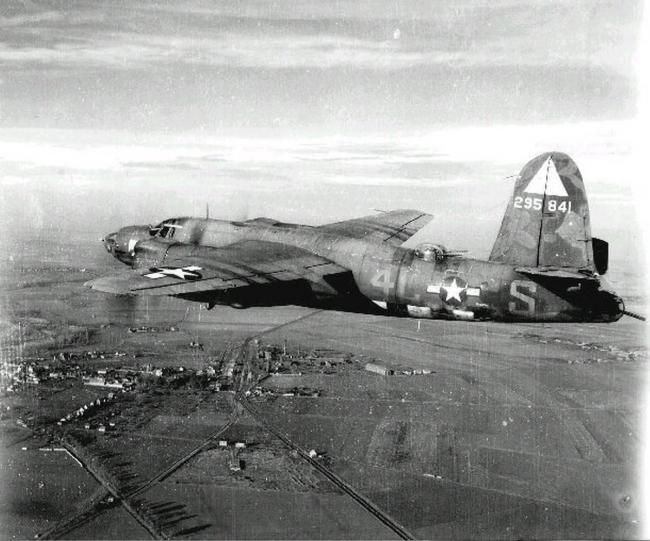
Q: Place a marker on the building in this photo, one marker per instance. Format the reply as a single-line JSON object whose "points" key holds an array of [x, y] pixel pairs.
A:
{"points": [[378, 369], [101, 382]]}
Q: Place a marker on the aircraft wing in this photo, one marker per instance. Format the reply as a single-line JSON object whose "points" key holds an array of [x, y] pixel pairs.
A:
{"points": [[199, 272], [393, 227]]}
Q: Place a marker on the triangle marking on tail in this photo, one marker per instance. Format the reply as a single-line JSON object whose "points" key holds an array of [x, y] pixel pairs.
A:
{"points": [[554, 184], [547, 180]]}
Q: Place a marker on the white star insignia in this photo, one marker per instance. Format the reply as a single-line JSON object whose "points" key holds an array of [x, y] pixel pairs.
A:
{"points": [[471, 291], [453, 291], [182, 273]]}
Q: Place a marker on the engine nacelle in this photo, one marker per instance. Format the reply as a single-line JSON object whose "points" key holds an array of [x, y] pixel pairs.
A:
{"points": [[148, 253]]}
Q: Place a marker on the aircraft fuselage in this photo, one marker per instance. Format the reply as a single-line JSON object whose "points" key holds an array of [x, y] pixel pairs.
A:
{"points": [[397, 279]]}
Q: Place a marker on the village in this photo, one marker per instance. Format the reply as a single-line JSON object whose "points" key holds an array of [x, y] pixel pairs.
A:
{"points": [[121, 373]]}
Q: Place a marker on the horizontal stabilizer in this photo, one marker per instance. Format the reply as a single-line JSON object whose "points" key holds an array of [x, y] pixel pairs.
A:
{"points": [[554, 272]]}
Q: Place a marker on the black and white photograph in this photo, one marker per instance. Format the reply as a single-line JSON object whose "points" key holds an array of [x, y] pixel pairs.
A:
{"points": [[308, 269]]}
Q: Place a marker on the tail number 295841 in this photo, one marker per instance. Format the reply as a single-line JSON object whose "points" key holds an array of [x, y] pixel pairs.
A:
{"points": [[535, 203]]}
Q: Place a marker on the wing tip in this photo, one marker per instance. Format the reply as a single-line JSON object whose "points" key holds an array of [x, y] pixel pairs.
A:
{"points": [[108, 284]]}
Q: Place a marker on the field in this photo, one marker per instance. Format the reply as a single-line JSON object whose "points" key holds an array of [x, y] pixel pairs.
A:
{"points": [[536, 413], [39, 488], [486, 429]]}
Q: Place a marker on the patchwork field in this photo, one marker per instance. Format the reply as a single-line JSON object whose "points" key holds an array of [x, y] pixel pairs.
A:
{"points": [[486, 429]]}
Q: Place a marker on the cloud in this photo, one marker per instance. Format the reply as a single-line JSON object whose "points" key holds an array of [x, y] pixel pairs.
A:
{"points": [[30, 19], [124, 50], [444, 156], [148, 35], [289, 51], [456, 173]]}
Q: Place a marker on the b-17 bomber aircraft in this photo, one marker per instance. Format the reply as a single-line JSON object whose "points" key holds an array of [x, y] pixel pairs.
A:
{"points": [[544, 265]]}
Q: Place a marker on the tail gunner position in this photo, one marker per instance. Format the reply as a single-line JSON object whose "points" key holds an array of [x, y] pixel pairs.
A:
{"points": [[544, 266]]}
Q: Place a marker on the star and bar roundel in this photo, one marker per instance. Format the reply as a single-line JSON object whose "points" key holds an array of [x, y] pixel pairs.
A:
{"points": [[454, 290], [184, 273]]}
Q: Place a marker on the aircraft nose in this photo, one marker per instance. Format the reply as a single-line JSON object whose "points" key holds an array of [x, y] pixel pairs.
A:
{"points": [[109, 242]]}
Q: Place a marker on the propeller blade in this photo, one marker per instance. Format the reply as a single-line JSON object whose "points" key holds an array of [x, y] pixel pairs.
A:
{"points": [[635, 316]]}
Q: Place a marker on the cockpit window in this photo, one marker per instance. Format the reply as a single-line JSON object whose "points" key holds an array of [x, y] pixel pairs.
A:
{"points": [[166, 229]]}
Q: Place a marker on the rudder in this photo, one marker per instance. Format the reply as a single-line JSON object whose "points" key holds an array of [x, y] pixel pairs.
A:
{"points": [[546, 223]]}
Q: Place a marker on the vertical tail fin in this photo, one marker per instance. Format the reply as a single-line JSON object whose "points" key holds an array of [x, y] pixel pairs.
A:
{"points": [[547, 219]]}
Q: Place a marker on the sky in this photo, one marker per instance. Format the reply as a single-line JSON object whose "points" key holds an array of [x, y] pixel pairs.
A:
{"points": [[114, 113]]}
